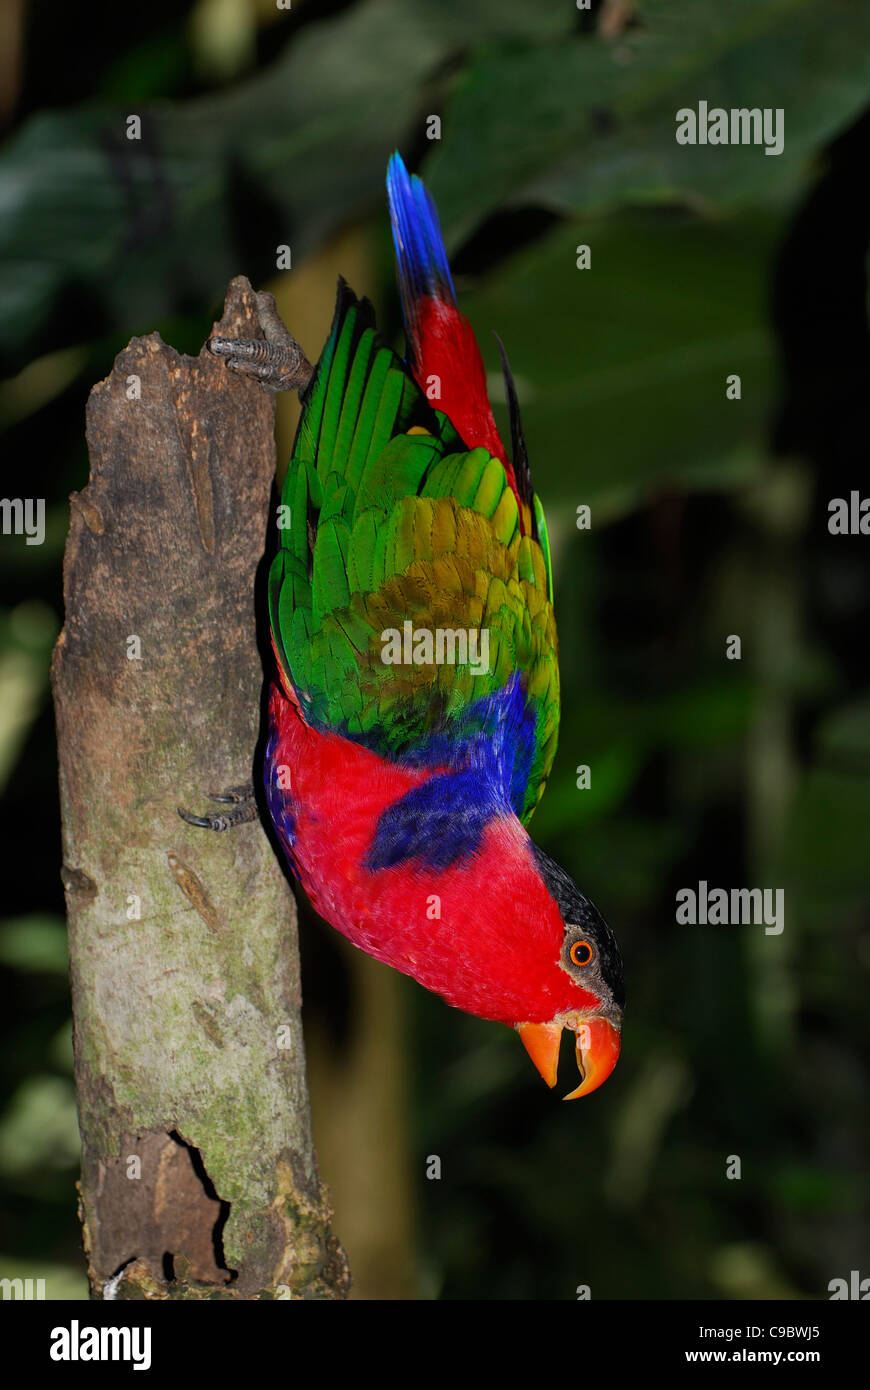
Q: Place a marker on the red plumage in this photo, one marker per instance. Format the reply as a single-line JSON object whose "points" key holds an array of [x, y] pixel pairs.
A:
{"points": [[501, 969], [444, 347]]}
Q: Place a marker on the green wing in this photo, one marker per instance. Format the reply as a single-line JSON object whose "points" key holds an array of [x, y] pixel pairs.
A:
{"points": [[392, 519]]}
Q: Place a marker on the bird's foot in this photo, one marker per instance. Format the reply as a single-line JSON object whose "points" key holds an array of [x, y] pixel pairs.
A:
{"points": [[243, 808], [277, 361]]}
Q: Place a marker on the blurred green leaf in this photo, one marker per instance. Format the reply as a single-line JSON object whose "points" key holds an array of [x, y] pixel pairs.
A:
{"points": [[39, 1128], [815, 1189], [612, 772], [583, 126], [26, 636], [148, 70], [142, 227], [622, 368], [34, 943], [844, 738], [750, 1270], [60, 1051]]}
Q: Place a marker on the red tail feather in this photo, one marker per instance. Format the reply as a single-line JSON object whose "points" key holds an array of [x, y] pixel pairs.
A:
{"points": [[449, 369]]}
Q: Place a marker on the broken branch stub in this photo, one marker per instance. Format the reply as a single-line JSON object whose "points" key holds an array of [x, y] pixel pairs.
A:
{"points": [[198, 1173]]}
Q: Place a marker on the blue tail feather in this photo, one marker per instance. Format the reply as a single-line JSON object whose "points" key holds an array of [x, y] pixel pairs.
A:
{"points": [[420, 253]]}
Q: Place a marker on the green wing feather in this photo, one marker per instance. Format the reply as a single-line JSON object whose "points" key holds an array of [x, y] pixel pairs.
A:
{"points": [[392, 519]]}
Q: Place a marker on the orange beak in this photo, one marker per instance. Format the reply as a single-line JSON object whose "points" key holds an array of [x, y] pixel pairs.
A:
{"points": [[597, 1049]]}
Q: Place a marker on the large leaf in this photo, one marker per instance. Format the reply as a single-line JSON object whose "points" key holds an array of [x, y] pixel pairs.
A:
{"points": [[586, 125], [133, 229], [622, 368]]}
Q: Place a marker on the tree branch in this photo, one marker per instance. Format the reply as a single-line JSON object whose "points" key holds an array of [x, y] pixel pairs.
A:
{"points": [[198, 1172]]}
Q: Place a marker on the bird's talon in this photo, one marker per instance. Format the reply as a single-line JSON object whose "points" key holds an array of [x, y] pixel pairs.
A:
{"points": [[191, 819], [242, 810], [243, 792], [276, 361]]}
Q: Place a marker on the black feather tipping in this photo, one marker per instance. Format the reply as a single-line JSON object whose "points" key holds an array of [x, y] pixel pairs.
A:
{"points": [[580, 911], [519, 453]]}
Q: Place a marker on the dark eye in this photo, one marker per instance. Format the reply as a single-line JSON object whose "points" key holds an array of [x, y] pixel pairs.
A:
{"points": [[581, 952]]}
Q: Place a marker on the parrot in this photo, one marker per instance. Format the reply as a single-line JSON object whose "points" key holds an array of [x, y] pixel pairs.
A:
{"points": [[414, 710]]}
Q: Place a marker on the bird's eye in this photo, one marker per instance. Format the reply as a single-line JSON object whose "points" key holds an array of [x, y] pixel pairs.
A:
{"points": [[581, 953]]}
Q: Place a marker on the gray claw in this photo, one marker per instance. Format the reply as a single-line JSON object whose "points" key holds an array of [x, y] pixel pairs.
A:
{"points": [[276, 361], [243, 792], [242, 810]]}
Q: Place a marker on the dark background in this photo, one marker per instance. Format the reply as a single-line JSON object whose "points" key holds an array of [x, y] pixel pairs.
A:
{"points": [[263, 128]]}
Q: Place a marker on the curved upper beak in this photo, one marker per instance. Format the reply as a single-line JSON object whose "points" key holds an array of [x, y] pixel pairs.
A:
{"points": [[597, 1049]]}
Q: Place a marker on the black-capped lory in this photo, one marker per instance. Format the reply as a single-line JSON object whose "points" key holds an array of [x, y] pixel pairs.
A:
{"points": [[415, 708]]}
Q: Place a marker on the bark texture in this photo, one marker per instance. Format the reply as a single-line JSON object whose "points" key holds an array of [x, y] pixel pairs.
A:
{"points": [[198, 1175]]}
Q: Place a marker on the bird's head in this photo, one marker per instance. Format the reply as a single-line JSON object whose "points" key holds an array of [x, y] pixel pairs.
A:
{"points": [[590, 1001], [509, 937]]}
